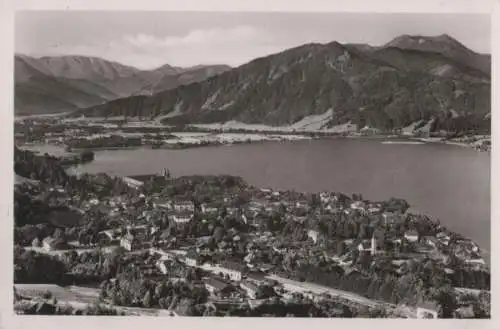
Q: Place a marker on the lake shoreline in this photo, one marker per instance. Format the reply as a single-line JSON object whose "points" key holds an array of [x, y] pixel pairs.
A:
{"points": [[289, 166], [260, 138]]}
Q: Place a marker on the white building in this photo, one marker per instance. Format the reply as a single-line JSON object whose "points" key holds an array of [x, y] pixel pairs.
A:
{"points": [[134, 183], [313, 235], [233, 270], [182, 218], [250, 288], [411, 236], [191, 261], [369, 246], [475, 261], [183, 205], [427, 311], [128, 242], [209, 209]]}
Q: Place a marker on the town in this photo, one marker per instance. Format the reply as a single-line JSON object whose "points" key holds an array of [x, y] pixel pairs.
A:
{"points": [[216, 246]]}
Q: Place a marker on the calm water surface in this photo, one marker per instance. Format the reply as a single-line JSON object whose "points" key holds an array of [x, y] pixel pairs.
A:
{"points": [[447, 182]]}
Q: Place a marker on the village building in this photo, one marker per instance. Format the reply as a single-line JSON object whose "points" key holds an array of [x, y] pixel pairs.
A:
{"points": [[373, 245], [183, 205], [365, 246], [448, 270], [162, 265], [50, 244], [218, 288], [358, 205], [208, 208], [250, 288], [129, 242], [256, 277], [464, 312], [233, 210], [255, 206], [325, 197], [334, 207], [369, 131], [389, 217], [479, 261], [191, 259], [233, 270], [372, 210], [302, 204], [427, 310], [254, 303], [424, 249], [109, 237], [133, 182], [181, 218], [430, 241], [162, 204], [411, 236], [289, 204], [313, 235]]}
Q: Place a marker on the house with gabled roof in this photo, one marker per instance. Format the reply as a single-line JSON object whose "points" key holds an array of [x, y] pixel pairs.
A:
{"points": [[183, 205], [365, 246], [182, 217], [218, 287], [233, 270], [210, 208], [50, 244], [411, 235], [250, 288], [313, 234], [129, 242], [191, 258], [428, 310]]}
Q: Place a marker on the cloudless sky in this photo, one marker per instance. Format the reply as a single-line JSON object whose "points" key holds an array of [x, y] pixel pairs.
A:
{"points": [[150, 39]]}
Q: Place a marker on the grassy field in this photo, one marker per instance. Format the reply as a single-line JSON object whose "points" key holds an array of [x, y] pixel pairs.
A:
{"points": [[80, 297], [63, 294]]}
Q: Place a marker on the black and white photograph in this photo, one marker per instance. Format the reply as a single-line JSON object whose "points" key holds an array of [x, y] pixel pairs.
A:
{"points": [[252, 164]]}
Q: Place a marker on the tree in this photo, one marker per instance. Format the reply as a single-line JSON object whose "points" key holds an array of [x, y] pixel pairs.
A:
{"points": [[482, 306], [446, 299], [363, 231], [218, 234], [364, 260], [341, 248]]}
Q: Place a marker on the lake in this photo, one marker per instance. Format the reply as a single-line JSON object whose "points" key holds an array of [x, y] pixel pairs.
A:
{"points": [[451, 183]]}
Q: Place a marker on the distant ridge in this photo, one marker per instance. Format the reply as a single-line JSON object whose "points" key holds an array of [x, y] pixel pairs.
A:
{"points": [[66, 83], [409, 79]]}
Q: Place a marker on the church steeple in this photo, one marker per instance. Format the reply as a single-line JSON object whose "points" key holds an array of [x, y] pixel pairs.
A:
{"points": [[377, 238], [374, 245]]}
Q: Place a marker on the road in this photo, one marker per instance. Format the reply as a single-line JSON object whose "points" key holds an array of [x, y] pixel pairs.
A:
{"points": [[297, 286]]}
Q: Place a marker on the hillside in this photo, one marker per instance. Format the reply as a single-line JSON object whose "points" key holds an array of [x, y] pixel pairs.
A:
{"points": [[36, 91], [447, 46], [383, 87], [67, 83]]}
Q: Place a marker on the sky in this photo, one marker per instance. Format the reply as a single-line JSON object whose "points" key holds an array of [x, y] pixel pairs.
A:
{"points": [[148, 40]]}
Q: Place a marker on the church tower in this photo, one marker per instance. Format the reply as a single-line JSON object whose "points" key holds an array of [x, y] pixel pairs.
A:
{"points": [[377, 242], [374, 245]]}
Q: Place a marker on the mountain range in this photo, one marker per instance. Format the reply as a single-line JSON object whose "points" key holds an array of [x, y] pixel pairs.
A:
{"points": [[409, 79], [67, 83]]}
